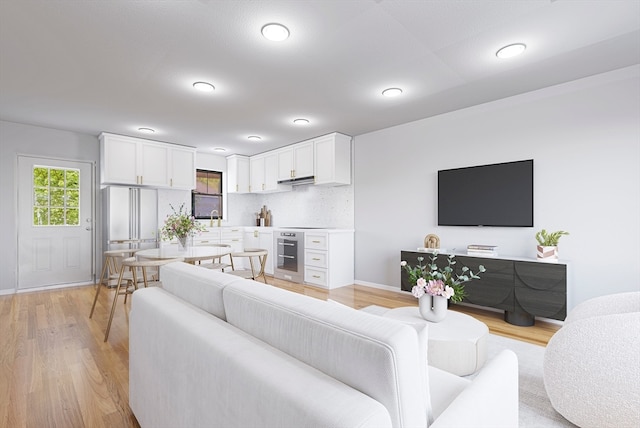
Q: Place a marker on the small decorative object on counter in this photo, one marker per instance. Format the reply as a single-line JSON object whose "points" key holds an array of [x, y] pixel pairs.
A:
{"points": [[434, 286], [264, 217], [547, 248]]}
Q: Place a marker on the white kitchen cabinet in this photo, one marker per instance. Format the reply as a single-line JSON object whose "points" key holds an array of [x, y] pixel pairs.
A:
{"points": [[329, 258], [332, 158], [295, 161], [264, 173], [135, 161], [183, 168], [260, 237], [238, 174], [232, 236]]}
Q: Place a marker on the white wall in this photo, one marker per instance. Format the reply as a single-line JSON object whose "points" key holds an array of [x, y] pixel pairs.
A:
{"points": [[584, 137], [17, 139]]}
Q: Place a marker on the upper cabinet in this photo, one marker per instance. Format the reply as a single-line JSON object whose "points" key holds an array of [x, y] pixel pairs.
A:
{"points": [[295, 161], [135, 161], [332, 160], [264, 173], [237, 174], [324, 160]]}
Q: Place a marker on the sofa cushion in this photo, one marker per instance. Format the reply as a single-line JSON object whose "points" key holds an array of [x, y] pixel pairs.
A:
{"points": [[377, 356], [198, 286]]}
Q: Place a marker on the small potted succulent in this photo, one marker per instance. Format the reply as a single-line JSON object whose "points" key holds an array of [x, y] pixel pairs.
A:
{"points": [[548, 244]]}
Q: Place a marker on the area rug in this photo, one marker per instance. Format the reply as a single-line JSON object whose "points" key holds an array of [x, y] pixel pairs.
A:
{"points": [[535, 408]]}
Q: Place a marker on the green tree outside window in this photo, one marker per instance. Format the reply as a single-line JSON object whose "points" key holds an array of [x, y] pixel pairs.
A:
{"points": [[56, 196]]}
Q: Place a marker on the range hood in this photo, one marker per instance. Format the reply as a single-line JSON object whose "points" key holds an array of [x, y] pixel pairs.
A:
{"points": [[298, 181]]}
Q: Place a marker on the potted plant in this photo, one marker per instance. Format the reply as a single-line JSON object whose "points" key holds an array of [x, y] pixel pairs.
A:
{"points": [[548, 244]]}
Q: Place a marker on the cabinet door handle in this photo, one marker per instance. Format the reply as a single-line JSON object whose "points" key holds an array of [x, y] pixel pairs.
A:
{"points": [[316, 242], [316, 276], [315, 258], [171, 182]]}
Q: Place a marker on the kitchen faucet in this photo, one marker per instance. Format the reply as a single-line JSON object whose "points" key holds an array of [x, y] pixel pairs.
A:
{"points": [[218, 214]]}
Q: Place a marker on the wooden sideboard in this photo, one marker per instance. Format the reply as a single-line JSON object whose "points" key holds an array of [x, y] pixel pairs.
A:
{"points": [[522, 288]]}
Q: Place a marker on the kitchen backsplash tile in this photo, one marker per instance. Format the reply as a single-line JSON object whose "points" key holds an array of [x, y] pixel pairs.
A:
{"points": [[311, 206]]}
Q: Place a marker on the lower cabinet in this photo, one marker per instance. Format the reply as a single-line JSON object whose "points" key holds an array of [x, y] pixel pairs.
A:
{"points": [[328, 258], [260, 237], [523, 289]]}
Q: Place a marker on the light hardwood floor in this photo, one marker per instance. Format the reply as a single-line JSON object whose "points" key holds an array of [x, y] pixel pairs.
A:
{"points": [[56, 371]]}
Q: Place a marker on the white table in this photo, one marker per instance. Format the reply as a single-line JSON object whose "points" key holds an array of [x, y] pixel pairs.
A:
{"points": [[190, 255], [457, 344]]}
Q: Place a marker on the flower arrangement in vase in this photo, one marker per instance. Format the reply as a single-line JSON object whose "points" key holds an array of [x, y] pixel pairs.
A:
{"points": [[433, 286], [180, 225]]}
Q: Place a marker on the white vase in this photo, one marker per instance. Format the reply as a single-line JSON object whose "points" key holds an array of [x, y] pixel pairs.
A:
{"points": [[433, 308]]}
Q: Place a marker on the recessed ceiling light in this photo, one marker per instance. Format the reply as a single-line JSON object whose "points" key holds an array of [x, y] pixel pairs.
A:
{"points": [[275, 32], [146, 130], [511, 50], [392, 92], [219, 149], [254, 137], [204, 86], [301, 121]]}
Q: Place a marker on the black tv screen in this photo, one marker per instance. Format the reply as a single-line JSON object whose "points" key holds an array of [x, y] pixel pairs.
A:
{"points": [[487, 195]]}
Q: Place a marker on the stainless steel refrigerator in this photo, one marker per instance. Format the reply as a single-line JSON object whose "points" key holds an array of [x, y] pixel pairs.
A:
{"points": [[130, 218]]}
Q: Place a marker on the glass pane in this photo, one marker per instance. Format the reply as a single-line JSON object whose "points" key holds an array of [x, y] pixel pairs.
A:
{"points": [[73, 179], [57, 177], [41, 197], [201, 181], [40, 216], [72, 217], [57, 198], [57, 217], [73, 198], [41, 177]]}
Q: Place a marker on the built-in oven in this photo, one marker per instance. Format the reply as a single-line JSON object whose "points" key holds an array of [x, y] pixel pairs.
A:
{"points": [[289, 255]]}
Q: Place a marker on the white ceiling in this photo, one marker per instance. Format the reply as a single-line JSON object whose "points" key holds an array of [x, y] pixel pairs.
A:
{"points": [[115, 66]]}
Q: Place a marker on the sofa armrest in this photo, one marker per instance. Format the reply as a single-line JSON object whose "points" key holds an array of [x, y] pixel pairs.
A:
{"points": [[490, 400]]}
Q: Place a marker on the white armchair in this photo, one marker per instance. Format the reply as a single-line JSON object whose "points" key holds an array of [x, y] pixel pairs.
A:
{"points": [[592, 364]]}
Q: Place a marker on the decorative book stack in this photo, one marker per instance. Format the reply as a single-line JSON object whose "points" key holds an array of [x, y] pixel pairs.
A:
{"points": [[482, 250]]}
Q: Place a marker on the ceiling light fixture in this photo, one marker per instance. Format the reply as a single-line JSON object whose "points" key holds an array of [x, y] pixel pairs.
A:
{"points": [[301, 121], [219, 149], [147, 130], [275, 32], [392, 92], [510, 51], [204, 86], [254, 137]]}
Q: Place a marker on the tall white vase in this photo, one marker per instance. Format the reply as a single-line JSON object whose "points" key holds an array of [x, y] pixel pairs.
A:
{"points": [[433, 308]]}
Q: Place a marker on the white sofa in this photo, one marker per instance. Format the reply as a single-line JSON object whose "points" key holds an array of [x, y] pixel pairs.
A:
{"points": [[591, 366], [208, 349]]}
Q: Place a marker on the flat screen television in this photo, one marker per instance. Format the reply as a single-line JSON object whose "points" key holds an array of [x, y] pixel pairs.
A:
{"points": [[487, 195]]}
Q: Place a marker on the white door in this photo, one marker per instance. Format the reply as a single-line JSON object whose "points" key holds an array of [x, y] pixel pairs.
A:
{"points": [[55, 222]]}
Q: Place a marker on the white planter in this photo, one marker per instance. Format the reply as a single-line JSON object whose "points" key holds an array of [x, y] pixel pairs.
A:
{"points": [[547, 253], [433, 308]]}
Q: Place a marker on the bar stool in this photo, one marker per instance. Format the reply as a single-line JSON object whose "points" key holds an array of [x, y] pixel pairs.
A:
{"points": [[133, 264], [250, 253], [110, 271]]}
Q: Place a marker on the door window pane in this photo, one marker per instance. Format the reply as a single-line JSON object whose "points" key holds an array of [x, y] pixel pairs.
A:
{"points": [[56, 196]]}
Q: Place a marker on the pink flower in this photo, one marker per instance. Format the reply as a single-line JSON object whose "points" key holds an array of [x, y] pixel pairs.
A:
{"points": [[435, 287]]}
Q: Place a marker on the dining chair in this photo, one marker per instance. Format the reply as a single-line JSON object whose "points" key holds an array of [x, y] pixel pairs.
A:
{"points": [[252, 254], [133, 265], [110, 270], [217, 261]]}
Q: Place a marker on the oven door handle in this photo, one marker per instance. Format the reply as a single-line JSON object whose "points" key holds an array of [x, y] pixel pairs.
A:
{"points": [[286, 257], [285, 243]]}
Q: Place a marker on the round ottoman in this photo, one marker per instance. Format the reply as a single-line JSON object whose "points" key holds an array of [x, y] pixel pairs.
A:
{"points": [[457, 344]]}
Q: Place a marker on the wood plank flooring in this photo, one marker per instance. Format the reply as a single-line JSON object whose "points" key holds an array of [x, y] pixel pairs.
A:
{"points": [[56, 371]]}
